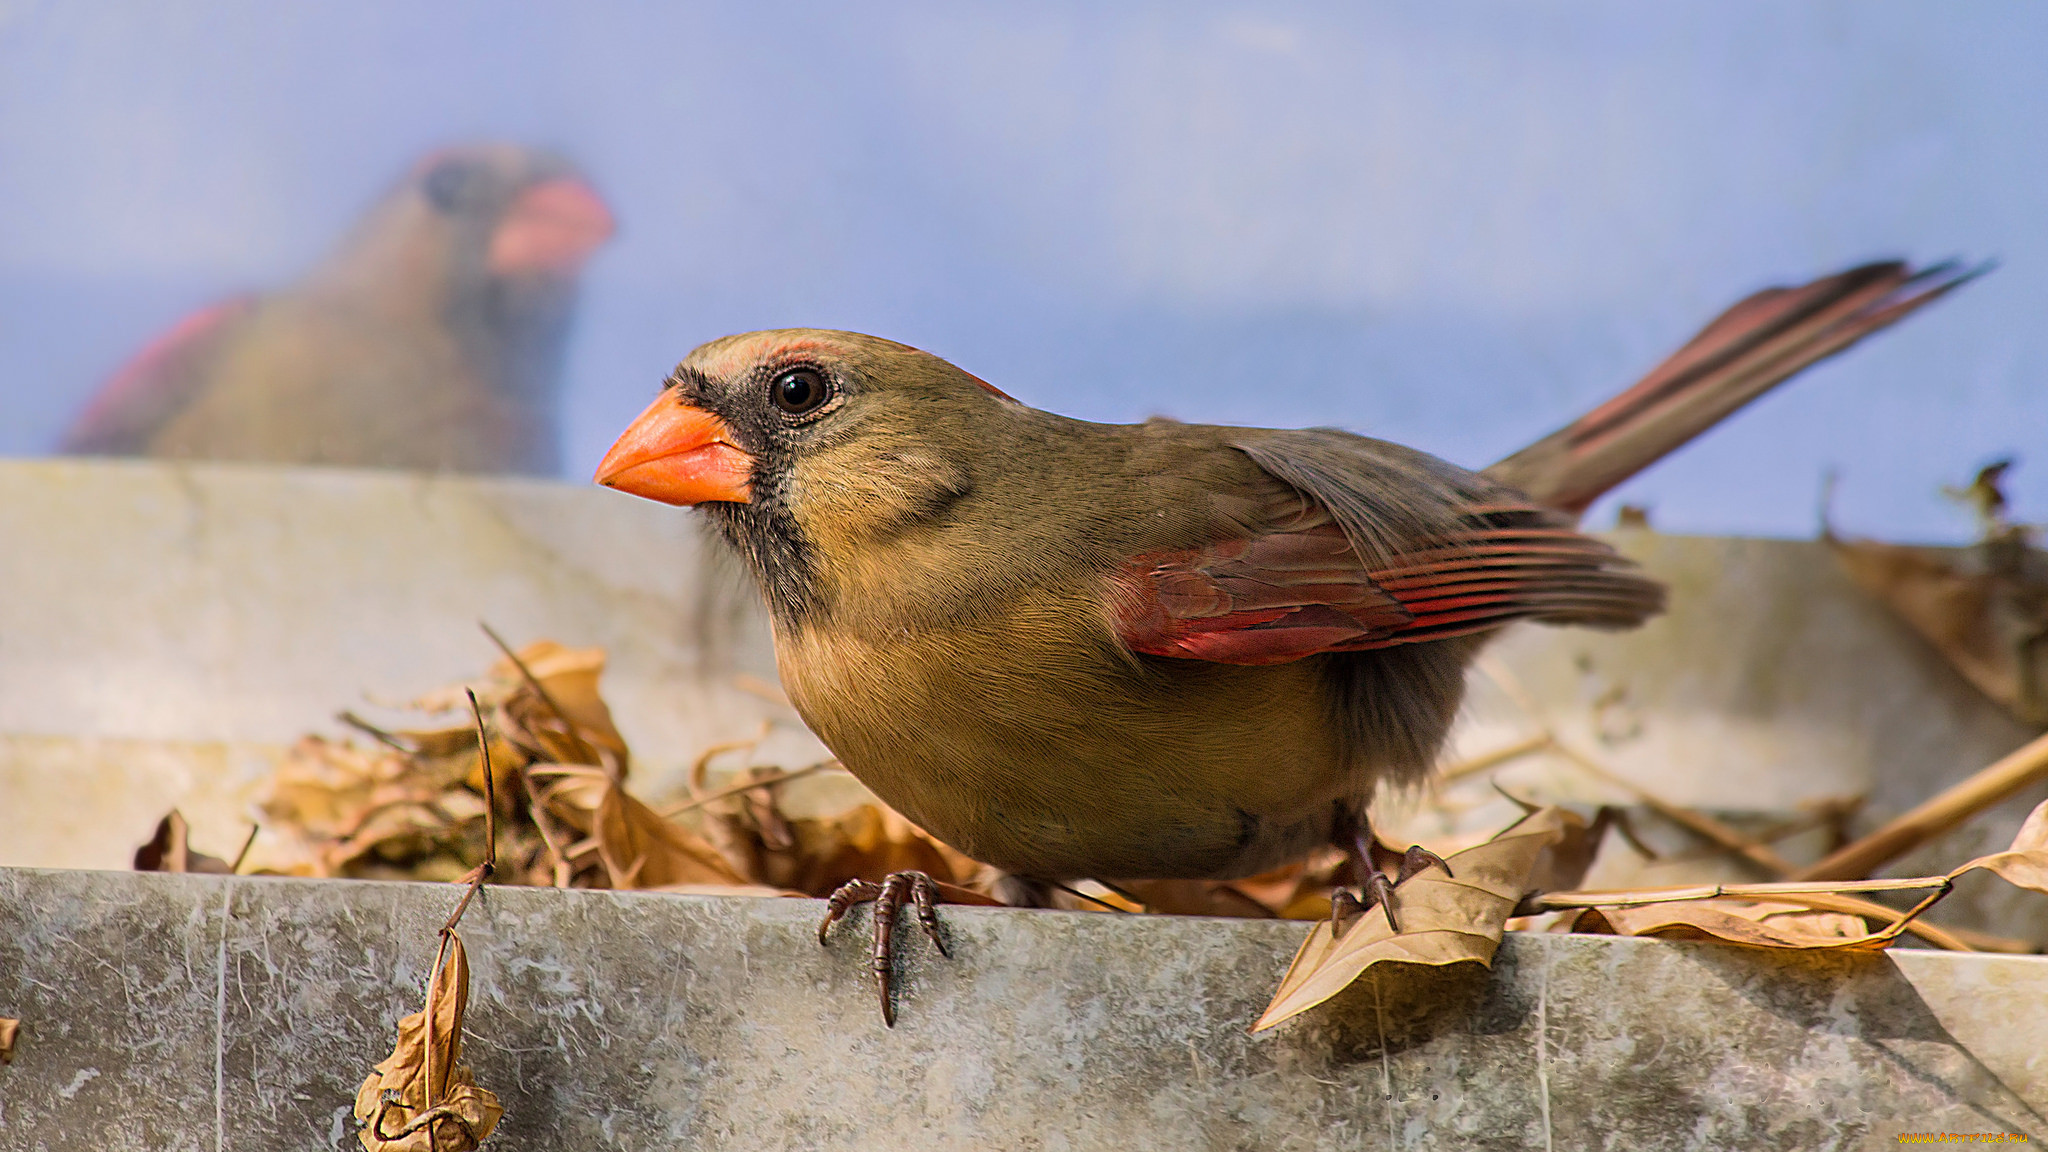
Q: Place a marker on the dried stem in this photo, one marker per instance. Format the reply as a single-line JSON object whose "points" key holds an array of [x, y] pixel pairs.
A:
{"points": [[541, 817], [1495, 758], [702, 767], [373, 732], [247, 844], [583, 747], [482, 872], [1634, 897], [483, 750], [1813, 895], [747, 786], [1692, 820], [427, 1021], [1696, 822], [1937, 815], [1080, 895]]}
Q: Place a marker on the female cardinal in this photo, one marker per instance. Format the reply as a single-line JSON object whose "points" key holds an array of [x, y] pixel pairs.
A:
{"points": [[1160, 650], [432, 339]]}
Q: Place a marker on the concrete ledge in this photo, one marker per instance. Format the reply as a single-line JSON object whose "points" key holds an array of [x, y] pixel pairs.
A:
{"points": [[176, 1012]]}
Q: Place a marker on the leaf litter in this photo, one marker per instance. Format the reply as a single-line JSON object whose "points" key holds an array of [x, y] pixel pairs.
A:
{"points": [[413, 803], [1984, 609], [422, 1098]]}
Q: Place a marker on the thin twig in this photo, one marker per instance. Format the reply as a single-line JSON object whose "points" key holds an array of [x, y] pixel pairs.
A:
{"points": [[427, 1021], [746, 786], [1913, 913], [755, 686], [583, 747], [1948, 938], [1788, 892], [1635, 897], [247, 844], [482, 872], [1690, 819], [701, 768], [541, 817], [1938, 814], [483, 749], [1498, 756], [373, 732]]}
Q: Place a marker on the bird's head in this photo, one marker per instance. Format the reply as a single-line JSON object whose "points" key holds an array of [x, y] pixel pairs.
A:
{"points": [[529, 213], [806, 444], [498, 217]]}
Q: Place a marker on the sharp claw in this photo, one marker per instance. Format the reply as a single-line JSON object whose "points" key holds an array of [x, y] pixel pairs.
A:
{"points": [[1379, 890], [1374, 887], [1343, 907], [924, 894], [888, 898], [1415, 860], [850, 893]]}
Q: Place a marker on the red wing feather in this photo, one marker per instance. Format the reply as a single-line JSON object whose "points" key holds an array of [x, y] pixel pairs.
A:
{"points": [[152, 386], [1293, 593]]}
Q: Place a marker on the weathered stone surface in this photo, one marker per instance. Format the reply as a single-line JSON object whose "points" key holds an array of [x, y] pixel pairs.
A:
{"points": [[198, 1012]]}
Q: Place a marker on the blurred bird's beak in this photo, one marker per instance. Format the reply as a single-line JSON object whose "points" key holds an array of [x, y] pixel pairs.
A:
{"points": [[552, 227], [678, 454]]}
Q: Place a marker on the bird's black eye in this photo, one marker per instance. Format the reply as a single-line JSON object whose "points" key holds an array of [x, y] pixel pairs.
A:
{"points": [[799, 390], [451, 183]]}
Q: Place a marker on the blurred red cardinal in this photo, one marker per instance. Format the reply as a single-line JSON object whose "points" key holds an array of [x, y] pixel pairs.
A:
{"points": [[1160, 650], [431, 339]]}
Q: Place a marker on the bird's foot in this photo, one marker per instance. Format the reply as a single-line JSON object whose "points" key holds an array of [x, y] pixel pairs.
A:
{"points": [[888, 897], [1378, 890]]}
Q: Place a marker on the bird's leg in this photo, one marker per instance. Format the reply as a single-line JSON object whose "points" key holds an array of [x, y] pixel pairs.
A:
{"points": [[1374, 887], [888, 897]]}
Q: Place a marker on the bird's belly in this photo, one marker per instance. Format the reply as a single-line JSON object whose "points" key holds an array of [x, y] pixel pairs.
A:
{"points": [[1059, 767]]}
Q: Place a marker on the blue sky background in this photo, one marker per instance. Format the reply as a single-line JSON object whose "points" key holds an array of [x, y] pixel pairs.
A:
{"points": [[1451, 224]]}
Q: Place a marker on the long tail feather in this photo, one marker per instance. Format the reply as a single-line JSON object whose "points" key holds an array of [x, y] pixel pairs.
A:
{"points": [[1747, 350]]}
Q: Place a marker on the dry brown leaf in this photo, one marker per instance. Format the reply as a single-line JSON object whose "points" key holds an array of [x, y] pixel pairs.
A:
{"points": [[1991, 624], [10, 1031], [642, 850], [867, 842], [2026, 862], [1759, 925], [422, 1098], [169, 850], [569, 676], [1446, 919]]}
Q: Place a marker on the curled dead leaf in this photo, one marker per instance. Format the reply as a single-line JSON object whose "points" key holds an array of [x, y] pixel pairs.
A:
{"points": [[1985, 610], [1757, 924], [2025, 863], [1448, 919], [422, 1098], [568, 677], [10, 1031], [642, 850], [867, 842]]}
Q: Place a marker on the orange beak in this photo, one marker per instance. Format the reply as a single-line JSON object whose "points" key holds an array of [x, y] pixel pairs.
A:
{"points": [[678, 454], [552, 227]]}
